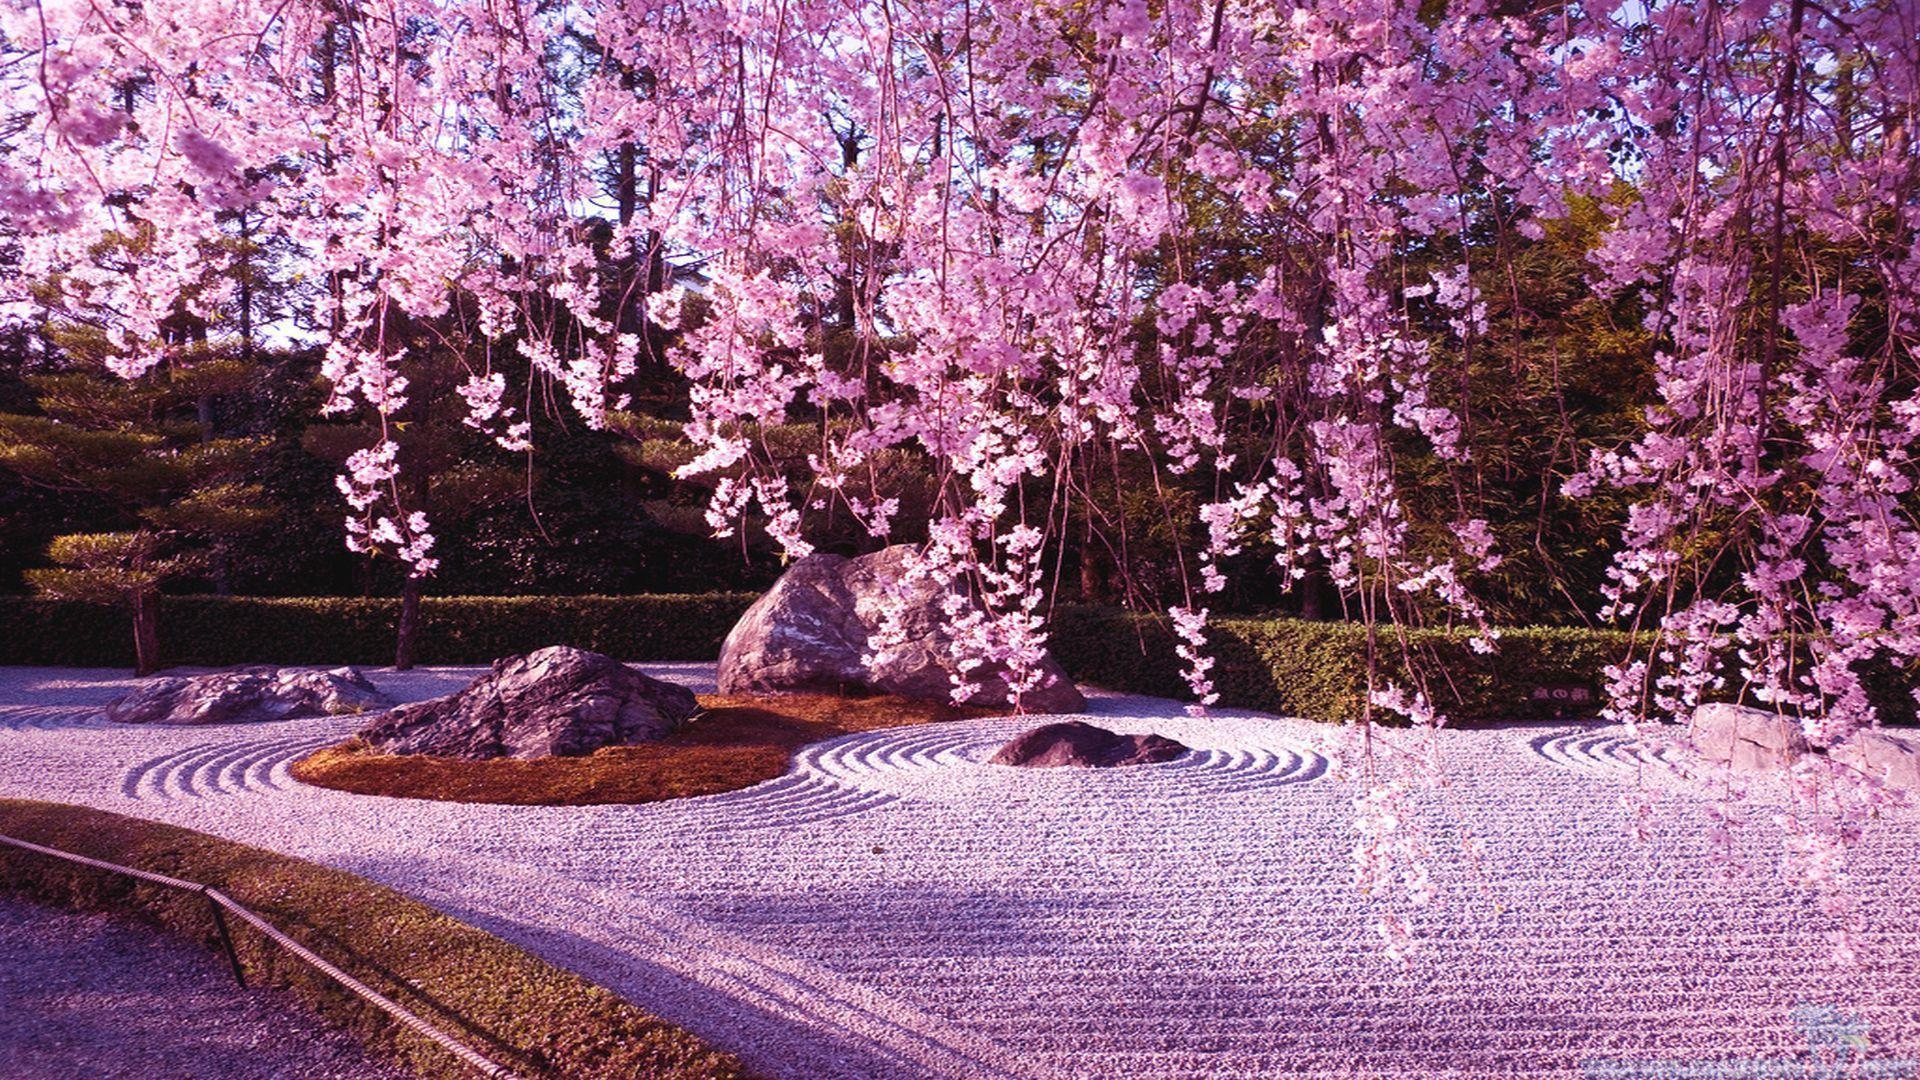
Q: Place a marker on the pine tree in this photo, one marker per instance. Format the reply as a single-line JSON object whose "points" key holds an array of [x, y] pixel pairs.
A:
{"points": [[114, 570], [148, 448]]}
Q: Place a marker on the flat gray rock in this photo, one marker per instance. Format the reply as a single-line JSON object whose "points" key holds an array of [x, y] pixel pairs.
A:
{"points": [[558, 701], [1074, 743], [810, 633], [248, 695]]}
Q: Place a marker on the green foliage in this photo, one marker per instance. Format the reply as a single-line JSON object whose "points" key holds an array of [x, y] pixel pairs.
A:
{"points": [[1318, 670], [537, 1019], [145, 447], [214, 630], [1288, 666], [1292, 667], [104, 568], [216, 510]]}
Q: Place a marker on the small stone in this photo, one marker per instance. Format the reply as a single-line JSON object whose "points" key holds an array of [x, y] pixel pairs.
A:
{"points": [[558, 701], [248, 695], [1075, 743]]}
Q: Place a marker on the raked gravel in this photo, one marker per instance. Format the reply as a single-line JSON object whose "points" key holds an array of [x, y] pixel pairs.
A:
{"points": [[90, 997], [896, 907]]}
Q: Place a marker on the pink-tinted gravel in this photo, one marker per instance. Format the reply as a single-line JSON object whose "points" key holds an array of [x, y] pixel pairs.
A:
{"points": [[896, 907], [89, 997]]}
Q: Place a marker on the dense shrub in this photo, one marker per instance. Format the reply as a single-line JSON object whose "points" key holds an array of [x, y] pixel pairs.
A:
{"points": [[456, 630], [1319, 670], [1289, 666]]}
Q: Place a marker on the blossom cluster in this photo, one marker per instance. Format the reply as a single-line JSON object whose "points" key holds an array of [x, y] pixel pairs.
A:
{"points": [[1001, 205]]}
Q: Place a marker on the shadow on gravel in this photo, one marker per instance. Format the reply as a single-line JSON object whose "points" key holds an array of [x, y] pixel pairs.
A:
{"points": [[773, 1044]]}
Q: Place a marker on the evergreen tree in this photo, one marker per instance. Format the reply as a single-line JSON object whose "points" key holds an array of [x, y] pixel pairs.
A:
{"points": [[114, 570], [148, 448]]}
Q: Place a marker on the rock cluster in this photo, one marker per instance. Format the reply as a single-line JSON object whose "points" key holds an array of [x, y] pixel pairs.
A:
{"points": [[1075, 743], [810, 632], [558, 701], [247, 695]]}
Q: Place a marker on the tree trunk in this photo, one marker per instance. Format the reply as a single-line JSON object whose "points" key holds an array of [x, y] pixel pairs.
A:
{"points": [[408, 632], [146, 634], [218, 570], [246, 288], [1309, 587]]}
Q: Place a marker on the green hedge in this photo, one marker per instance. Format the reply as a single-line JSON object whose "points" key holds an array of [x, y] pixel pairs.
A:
{"points": [[1318, 670], [1288, 666], [454, 630]]}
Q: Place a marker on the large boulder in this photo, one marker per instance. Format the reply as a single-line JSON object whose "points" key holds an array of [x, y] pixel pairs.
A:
{"points": [[1892, 760], [1073, 742], [810, 632], [248, 695], [559, 701], [1750, 740]]}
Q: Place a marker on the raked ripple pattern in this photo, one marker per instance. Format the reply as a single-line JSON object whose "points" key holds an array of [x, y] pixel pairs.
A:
{"points": [[212, 769], [797, 798], [48, 717], [856, 773], [894, 907], [1603, 752], [903, 760]]}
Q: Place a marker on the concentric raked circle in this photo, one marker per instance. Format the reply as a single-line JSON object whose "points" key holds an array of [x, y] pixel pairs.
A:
{"points": [[922, 761], [1606, 752], [938, 762], [208, 770]]}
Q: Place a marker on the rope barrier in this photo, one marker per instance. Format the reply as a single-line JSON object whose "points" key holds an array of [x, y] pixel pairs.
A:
{"points": [[218, 900]]}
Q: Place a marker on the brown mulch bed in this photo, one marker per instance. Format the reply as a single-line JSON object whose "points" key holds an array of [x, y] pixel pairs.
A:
{"points": [[737, 741]]}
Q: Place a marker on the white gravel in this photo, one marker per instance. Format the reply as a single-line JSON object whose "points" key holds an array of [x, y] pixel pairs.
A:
{"points": [[88, 997], [896, 907]]}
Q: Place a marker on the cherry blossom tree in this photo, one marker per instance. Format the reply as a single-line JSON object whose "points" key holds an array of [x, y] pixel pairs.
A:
{"points": [[1006, 221]]}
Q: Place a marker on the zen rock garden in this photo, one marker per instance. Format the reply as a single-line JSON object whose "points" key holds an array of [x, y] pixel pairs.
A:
{"points": [[962, 539]]}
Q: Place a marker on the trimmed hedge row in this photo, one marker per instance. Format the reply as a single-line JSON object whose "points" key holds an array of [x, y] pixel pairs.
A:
{"points": [[1318, 670], [1287, 666], [454, 630]]}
